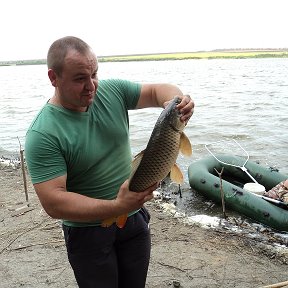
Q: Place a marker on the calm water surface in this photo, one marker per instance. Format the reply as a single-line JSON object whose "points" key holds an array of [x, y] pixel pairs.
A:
{"points": [[241, 99]]}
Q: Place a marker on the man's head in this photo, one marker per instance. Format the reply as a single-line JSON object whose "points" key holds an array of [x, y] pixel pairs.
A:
{"points": [[72, 70], [59, 49]]}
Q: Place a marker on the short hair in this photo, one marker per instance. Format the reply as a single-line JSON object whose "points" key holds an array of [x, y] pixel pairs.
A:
{"points": [[59, 49]]}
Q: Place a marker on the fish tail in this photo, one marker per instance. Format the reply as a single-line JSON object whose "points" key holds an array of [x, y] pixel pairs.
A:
{"points": [[108, 222], [120, 221]]}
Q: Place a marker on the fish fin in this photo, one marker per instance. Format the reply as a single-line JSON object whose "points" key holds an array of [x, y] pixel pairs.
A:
{"points": [[140, 154], [121, 220], [108, 222], [135, 163], [176, 174], [185, 145], [137, 159]]}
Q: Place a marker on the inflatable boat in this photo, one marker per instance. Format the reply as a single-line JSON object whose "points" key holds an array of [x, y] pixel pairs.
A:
{"points": [[205, 177]]}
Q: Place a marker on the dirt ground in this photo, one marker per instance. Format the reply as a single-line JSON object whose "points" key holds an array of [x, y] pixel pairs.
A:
{"points": [[32, 250]]}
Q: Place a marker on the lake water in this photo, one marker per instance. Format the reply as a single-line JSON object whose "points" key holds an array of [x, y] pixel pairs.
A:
{"points": [[241, 99]]}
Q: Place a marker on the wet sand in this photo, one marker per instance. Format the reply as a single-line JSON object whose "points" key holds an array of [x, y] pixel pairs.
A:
{"points": [[32, 249]]}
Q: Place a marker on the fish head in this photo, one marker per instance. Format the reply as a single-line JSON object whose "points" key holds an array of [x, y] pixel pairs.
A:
{"points": [[172, 115]]}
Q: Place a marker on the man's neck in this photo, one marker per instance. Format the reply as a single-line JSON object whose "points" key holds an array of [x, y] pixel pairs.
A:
{"points": [[55, 101]]}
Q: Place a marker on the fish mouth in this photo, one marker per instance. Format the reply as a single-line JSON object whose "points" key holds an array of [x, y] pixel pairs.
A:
{"points": [[177, 100]]}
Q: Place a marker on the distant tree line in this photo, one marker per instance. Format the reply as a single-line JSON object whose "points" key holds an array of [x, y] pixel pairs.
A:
{"points": [[251, 50], [214, 54], [23, 62]]}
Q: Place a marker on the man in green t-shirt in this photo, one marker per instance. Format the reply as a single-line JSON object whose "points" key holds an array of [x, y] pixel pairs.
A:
{"points": [[78, 155]]}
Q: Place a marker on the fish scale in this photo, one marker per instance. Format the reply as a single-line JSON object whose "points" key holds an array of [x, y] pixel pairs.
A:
{"points": [[161, 151]]}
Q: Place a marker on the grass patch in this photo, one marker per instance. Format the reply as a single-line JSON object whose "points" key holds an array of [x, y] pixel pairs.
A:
{"points": [[221, 54], [196, 55]]}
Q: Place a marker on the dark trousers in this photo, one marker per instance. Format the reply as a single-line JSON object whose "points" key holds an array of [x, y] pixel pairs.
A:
{"points": [[110, 257]]}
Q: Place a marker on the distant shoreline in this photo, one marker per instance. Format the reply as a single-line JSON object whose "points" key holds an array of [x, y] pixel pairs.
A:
{"points": [[215, 54]]}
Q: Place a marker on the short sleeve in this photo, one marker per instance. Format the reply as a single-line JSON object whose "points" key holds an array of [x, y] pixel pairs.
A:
{"points": [[43, 157]]}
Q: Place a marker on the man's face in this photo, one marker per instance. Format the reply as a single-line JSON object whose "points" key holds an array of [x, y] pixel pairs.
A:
{"points": [[78, 82]]}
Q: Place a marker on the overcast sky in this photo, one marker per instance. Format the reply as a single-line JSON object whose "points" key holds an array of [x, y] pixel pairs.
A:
{"points": [[110, 27]]}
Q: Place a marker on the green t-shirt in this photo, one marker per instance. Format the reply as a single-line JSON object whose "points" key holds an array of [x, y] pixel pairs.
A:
{"points": [[91, 147]]}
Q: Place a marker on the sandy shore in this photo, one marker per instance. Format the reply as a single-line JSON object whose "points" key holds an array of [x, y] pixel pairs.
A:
{"points": [[32, 250]]}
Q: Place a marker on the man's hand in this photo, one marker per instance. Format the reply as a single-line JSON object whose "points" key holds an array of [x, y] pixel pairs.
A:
{"points": [[127, 200], [186, 107]]}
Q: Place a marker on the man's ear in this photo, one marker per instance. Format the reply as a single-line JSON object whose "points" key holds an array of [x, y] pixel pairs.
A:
{"points": [[53, 77]]}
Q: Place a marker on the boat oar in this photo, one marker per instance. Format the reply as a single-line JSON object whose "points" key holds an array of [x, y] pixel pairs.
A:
{"points": [[273, 201]]}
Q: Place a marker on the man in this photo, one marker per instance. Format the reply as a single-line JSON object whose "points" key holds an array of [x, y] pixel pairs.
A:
{"points": [[78, 155]]}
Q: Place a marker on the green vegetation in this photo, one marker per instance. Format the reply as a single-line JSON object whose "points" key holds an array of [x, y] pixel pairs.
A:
{"points": [[23, 62], [216, 54], [199, 55]]}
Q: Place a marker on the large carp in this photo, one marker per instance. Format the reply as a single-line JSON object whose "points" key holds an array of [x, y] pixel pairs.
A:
{"points": [[159, 158]]}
